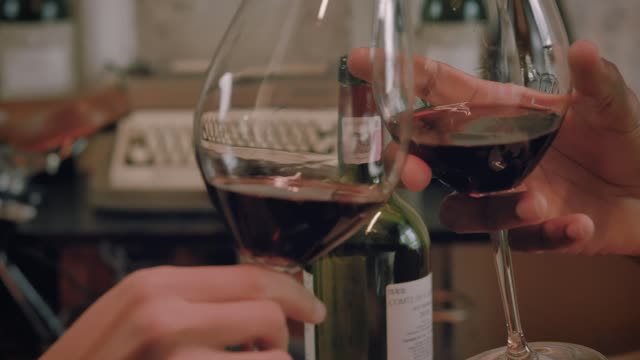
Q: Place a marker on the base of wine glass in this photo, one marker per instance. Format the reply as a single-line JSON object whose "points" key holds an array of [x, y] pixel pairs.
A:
{"points": [[546, 351], [273, 263]]}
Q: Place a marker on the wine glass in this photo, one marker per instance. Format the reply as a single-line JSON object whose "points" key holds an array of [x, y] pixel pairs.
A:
{"points": [[266, 125], [490, 112]]}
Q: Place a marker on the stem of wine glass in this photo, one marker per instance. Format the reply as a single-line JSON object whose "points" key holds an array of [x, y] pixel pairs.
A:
{"points": [[287, 269], [517, 347]]}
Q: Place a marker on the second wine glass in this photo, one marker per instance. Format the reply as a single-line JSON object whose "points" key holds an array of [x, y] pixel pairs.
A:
{"points": [[494, 77]]}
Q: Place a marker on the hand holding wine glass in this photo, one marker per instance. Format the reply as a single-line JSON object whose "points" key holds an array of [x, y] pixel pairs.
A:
{"points": [[190, 313], [583, 198]]}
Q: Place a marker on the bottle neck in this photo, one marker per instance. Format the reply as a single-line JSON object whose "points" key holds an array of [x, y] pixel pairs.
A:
{"points": [[356, 100]]}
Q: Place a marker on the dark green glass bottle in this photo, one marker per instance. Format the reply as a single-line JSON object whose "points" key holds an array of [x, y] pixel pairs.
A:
{"points": [[377, 285]]}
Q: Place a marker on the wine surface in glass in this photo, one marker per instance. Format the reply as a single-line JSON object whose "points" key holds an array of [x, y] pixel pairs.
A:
{"points": [[286, 222], [477, 149]]}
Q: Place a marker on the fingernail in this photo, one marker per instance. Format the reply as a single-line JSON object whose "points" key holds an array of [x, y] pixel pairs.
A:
{"points": [[576, 232], [319, 310], [533, 209]]}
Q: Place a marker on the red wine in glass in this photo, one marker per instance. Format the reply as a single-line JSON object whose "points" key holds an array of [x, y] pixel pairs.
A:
{"points": [[286, 222], [479, 149]]}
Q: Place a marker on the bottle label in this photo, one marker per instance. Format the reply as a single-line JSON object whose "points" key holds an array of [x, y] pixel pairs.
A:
{"points": [[309, 329], [361, 139], [409, 320]]}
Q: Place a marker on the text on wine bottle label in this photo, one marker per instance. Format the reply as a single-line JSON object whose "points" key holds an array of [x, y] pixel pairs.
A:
{"points": [[409, 320]]}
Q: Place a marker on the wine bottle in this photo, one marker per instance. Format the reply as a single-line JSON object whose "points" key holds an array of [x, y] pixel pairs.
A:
{"points": [[377, 285], [450, 32]]}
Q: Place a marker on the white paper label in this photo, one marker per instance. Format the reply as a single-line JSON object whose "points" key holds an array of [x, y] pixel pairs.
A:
{"points": [[309, 329], [409, 320], [361, 139]]}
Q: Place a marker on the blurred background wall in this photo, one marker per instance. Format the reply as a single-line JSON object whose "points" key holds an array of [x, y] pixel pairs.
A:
{"points": [[181, 35], [181, 30]]}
